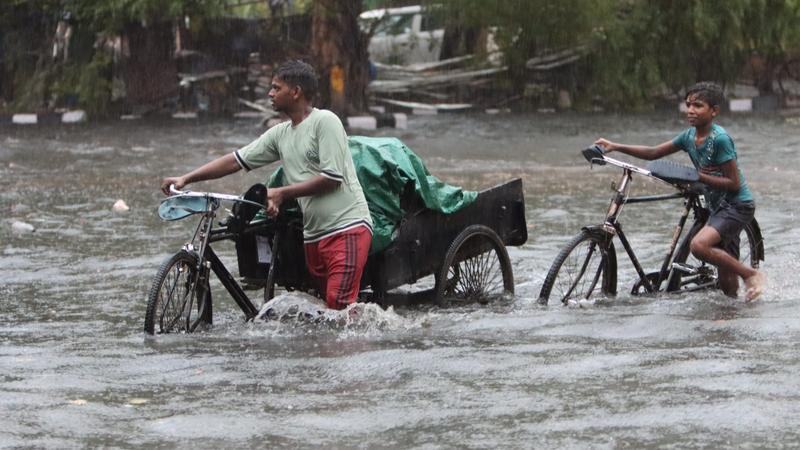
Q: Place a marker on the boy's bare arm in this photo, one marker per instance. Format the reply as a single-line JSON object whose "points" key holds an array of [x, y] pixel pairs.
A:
{"points": [[729, 181], [639, 151]]}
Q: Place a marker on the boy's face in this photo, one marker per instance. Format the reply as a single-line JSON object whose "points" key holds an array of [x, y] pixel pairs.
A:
{"points": [[282, 94], [699, 112]]}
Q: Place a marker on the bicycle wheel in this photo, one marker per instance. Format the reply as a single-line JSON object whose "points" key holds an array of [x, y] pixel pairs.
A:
{"points": [[691, 274], [587, 266], [171, 294], [476, 268]]}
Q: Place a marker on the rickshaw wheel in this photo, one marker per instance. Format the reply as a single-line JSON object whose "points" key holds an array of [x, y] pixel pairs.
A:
{"points": [[169, 293], [476, 268]]}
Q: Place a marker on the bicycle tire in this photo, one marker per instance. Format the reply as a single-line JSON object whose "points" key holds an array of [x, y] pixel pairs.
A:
{"points": [[469, 276], [165, 299], [706, 277], [564, 279]]}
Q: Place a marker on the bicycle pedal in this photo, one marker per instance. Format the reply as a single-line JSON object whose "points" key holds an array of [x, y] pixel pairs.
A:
{"points": [[686, 269]]}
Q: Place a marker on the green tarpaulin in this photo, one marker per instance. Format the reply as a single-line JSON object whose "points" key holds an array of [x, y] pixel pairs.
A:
{"points": [[384, 167]]}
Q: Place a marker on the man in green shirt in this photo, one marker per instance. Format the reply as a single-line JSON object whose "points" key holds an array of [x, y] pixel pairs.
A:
{"points": [[320, 175]]}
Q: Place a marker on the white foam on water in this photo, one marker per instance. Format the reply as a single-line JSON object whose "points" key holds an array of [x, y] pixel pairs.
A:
{"points": [[297, 312]]}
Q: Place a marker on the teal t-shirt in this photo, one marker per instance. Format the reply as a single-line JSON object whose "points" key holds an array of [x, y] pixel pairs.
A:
{"points": [[717, 149], [316, 146]]}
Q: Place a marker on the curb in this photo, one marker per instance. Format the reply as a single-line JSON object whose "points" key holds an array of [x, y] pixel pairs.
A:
{"points": [[76, 116], [373, 122]]}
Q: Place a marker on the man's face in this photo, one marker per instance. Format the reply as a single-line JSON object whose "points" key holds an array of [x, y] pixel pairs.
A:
{"points": [[699, 112], [282, 94]]}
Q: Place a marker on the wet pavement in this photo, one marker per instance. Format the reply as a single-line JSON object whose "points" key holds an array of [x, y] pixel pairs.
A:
{"points": [[698, 370]]}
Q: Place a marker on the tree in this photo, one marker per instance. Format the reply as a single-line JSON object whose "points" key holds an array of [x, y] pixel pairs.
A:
{"points": [[339, 49], [772, 30]]}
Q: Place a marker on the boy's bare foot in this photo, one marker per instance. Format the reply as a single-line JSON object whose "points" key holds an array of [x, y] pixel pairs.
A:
{"points": [[755, 286]]}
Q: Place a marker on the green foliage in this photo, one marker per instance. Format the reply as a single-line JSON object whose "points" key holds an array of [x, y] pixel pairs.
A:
{"points": [[111, 16], [636, 47]]}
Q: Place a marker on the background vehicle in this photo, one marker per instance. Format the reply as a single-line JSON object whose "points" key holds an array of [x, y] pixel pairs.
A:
{"points": [[403, 35]]}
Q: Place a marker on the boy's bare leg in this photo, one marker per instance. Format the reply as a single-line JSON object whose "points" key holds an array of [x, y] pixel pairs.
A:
{"points": [[755, 286], [704, 247], [728, 282]]}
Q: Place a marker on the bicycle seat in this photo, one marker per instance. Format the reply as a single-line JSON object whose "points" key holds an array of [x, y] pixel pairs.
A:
{"points": [[672, 172]]}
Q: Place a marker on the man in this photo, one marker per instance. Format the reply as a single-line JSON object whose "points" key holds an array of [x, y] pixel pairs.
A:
{"points": [[320, 175]]}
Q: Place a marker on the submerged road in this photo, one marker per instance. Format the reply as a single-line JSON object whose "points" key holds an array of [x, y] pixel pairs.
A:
{"points": [[698, 370]]}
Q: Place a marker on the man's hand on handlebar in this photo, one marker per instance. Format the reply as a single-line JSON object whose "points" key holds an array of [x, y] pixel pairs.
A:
{"points": [[177, 182], [274, 201]]}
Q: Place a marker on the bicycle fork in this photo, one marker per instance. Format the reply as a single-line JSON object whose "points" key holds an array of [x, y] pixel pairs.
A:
{"points": [[203, 232]]}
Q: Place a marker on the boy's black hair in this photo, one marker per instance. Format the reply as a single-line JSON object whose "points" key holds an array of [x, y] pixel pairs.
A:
{"points": [[708, 92], [299, 73]]}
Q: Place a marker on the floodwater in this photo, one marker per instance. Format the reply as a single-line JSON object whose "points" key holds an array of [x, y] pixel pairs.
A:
{"points": [[699, 370]]}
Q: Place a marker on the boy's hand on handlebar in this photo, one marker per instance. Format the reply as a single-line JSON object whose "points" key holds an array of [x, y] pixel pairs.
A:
{"points": [[607, 145], [166, 182]]}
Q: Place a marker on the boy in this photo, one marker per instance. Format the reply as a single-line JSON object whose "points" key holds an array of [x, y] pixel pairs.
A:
{"points": [[729, 199], [320, 174]]}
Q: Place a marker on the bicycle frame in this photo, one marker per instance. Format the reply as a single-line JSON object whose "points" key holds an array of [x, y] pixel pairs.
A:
{"points": [[205, 234], [611, 226]]}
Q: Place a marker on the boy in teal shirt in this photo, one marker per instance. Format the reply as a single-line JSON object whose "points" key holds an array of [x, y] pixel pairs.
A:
{"points": [[729, 199]]}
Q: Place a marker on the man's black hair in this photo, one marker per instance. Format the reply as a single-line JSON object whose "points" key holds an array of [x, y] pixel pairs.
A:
{"points": [[708, 92], [299, 73]]}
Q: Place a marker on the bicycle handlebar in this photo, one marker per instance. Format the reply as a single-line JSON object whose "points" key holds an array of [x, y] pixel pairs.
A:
{"points": [[596, 154], [215, 195], [674, 174]]}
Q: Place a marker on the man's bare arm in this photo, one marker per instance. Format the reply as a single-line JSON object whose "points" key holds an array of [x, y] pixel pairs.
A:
{"points": [[218, 168], [317, 185]]}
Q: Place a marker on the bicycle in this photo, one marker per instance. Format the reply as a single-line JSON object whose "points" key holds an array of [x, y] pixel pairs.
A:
{"points": [[179, 299], [590, 258]]}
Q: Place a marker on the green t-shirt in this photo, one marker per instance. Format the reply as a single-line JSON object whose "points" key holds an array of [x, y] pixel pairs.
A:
{"points": [[316, 146], [717, 149]]}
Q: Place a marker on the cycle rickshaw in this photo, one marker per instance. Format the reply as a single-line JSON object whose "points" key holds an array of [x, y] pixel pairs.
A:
{"points": [[464, 249]]}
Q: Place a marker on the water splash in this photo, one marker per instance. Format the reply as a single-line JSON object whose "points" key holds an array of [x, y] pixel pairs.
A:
{"points": [[301, 312]]}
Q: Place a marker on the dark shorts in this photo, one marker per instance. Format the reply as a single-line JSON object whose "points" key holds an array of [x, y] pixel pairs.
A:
{"points": [[729, 220]]}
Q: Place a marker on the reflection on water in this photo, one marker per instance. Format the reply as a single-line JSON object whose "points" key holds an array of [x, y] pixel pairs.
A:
{"points": [[685, 371]]}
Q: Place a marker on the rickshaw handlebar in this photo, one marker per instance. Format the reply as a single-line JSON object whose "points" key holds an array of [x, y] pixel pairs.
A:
{"points": [[216, 195]]}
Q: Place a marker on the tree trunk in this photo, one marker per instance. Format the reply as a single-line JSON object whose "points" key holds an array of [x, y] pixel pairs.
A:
{"points": [[339, 49], [151, 75]]}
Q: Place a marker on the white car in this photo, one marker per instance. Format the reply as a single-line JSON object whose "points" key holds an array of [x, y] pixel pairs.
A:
{"points": [[404, 35]]}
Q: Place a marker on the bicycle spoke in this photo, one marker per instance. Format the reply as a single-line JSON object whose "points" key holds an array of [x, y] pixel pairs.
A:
{"points": [[168, 310], [476, 278], [595, 280], [582, 271]]}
